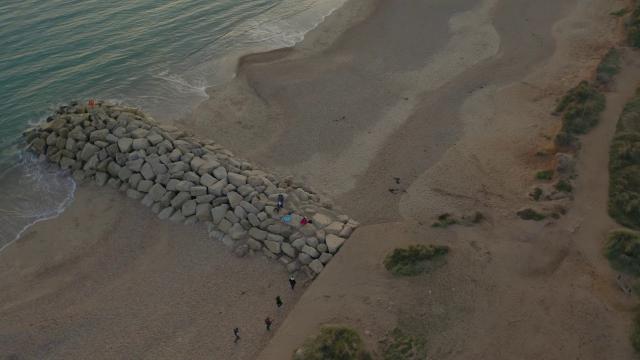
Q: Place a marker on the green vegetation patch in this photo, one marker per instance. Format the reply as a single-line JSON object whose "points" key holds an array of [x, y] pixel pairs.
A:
{"points": [[544, 175], [401, 346], [635, 334], [564, 186], [581, 108], [444, 221], [333, 342], [623, 251], [633, 26], [414, 260], [608, 67], [530, 214], [536, 194], [620, 13], [624, 167]]}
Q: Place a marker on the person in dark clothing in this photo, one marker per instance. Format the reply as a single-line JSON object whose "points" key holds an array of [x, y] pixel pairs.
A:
{"points": [[278, 301], [236, 333], [268, 323], [292, 282], [280, 202]]}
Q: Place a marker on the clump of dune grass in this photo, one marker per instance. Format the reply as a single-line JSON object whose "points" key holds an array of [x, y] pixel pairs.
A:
{"points": [[580, 108], [624, 167], [564, 186], [530, 214], [402, 346], [544, 175], [444, 221], [623, 251], [414, 260], [609, 67], [335, 343], [633, 27]]}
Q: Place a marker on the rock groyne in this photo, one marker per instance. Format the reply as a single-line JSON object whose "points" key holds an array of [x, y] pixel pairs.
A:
{"points": [[188, 180]]}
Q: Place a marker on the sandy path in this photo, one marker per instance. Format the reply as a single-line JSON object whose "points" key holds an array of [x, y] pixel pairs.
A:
{"points": [[107, 280]]}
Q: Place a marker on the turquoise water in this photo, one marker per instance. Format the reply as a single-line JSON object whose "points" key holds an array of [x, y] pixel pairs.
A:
{"points": [[160, 55]]}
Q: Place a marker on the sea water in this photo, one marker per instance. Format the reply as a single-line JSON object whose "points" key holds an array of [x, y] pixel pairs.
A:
{"points": [[159, 55]]}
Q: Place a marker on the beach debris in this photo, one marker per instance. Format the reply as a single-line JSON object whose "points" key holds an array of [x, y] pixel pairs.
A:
{"points": [[185, 179]]}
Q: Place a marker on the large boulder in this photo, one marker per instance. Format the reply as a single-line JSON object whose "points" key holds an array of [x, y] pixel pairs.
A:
{"points": [[334, 243]]}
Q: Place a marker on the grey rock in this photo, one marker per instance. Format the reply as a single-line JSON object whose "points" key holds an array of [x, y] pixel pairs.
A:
{"points": [[147, 200], [273, 246], [171, 184], [204, 199], [203, 212], [135, 165], [180, 199], [144, 186], [248, 207], [184, 185], [154, 138], [236, 179], [325, 257], [225, 226], [257, 233], [207, 167], [101, 178], [304, 259], [253, 244], [253, 219], [147, 172], [333, 243], [231, 216], [234, 198], [157, 191], [198, 190], [334, 228], [322, 248], [310, 251], [240, 213], [177, 167], [165, 213], [321, 220], [88, 151], [237, 232], [219, 212], [191, 176], [177, 217], [346, 232], [275, 237], [217, 188], [189, 208], [134, 194], [124, 144], [289, 250], [207, 180], [220, 173], [316, 266], [124, 174], [298, 244], [313, 242], [140, 144]]}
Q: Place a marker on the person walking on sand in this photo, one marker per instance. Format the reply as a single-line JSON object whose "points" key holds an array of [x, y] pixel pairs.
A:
{"points": [[292, 282], [268, 323], [236, 333], [278, 301]]}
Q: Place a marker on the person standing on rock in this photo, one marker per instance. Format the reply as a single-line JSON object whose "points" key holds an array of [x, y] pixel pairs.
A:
{"points": [[236, 333], [278, 301], [292, 282], [280, 203], [268, 323]]}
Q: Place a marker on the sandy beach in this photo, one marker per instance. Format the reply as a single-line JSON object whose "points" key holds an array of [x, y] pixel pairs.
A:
{"points": [[399, 112]]}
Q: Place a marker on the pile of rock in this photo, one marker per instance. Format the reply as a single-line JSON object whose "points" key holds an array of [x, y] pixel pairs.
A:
{"points": [[184, 179]]}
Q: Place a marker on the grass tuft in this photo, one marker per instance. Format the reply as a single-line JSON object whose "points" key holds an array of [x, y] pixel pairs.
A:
{"points": [[544, 175], [530, 214], [620, 13], [581, 108], [624, 167], [414, 260], [333, 342], [623, 251], [444, 221], [401, 346], [608, 67], [564, 186]]}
